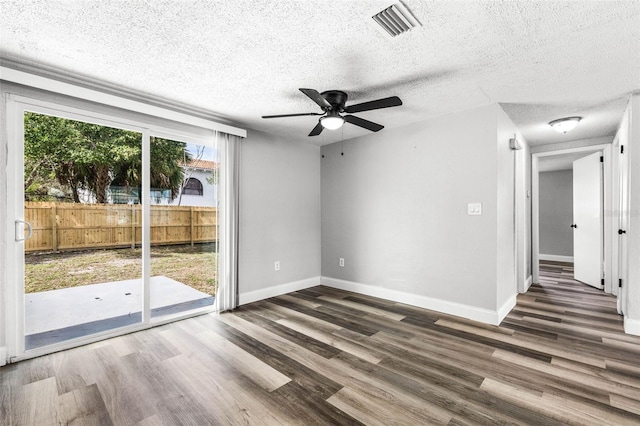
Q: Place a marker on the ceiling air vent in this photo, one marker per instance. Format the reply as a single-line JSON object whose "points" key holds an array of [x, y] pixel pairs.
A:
{"points": [[396, 19]]}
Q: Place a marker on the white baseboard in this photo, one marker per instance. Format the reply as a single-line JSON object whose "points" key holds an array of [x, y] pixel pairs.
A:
{"points": [[506, 308], [555, 258], [3, 356], [265, 293], [632, 326], [528, 283], [471, 312]]}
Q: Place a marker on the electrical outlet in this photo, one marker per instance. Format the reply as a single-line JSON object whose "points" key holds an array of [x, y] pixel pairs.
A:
{"points": [[277, 265], [474, 209], [342, 262]]}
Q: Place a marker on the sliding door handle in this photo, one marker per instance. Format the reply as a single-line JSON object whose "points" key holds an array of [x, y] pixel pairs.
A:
{"points": [[29, 230]]}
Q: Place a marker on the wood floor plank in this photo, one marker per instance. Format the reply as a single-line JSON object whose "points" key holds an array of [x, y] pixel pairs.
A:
{"points": [[335, 341], [611, 375], [318, 410], [38, 403], [327, 317], [68, 368], [83, 406], [627, 404], [262, 374], [570, 376], [358, 307], [374, 411], [240, 407], [321, 347], [153, 420], [553, 409], [308, 301], [542, 348], [121, 384], [313, 321], [275, 351]]}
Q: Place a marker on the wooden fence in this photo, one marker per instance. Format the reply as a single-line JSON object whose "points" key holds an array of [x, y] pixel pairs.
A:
{"points": [[72, 226]]}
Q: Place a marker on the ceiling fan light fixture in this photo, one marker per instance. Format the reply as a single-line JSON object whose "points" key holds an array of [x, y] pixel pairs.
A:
{"points": [[563, 125], [332, 122]]}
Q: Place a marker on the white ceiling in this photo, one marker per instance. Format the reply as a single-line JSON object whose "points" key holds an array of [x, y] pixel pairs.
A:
{"points": [[243, 59]]}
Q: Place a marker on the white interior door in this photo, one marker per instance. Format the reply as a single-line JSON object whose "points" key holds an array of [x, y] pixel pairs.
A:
{"points": [[587, 219]]}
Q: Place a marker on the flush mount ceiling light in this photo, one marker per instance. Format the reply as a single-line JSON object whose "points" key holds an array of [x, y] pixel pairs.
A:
{"points": [[563, 125], [332, 121]]}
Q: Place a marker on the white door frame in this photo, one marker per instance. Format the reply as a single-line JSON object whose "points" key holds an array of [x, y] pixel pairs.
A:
{"points": [[520, 211], [13, 277], [612, 217], [623, 218], [609, 239]]}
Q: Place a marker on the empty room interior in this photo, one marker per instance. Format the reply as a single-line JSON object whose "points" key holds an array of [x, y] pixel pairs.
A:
{"points": [[311, 212]]}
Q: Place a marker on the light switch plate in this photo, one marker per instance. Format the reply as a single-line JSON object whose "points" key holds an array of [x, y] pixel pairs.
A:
{"points": [[474, 209]]}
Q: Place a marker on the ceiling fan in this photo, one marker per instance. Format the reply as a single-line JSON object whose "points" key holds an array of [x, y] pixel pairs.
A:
{"points": [[333, 105]]}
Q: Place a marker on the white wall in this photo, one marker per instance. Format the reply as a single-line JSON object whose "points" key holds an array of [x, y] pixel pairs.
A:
{"points": [[394, 206], [556, 213], [279, 216]]}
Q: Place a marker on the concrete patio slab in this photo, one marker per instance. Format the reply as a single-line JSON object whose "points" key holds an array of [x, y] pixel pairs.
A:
{"points": [[57, 315]]}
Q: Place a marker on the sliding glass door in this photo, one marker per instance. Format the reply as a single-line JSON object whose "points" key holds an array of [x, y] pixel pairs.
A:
{"points": [[82, 262], [184, 201], [115, 229]]}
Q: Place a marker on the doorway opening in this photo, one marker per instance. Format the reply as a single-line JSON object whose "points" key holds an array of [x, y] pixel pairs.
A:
{"points": [[560, 189]]}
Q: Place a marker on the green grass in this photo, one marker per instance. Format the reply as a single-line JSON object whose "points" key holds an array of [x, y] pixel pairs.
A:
{"points": [[193, 266]]}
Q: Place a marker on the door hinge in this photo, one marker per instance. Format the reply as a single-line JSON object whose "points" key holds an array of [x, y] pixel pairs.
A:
{"points": [[602, 282], [620, 282], [601, 159], [621, 149]]}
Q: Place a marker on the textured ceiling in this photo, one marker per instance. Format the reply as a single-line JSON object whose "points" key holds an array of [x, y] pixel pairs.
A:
{"points": [[243, 59]]}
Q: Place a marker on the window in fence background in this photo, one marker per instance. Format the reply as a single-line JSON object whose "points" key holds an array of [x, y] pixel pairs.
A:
{"points": [[193, 187]]}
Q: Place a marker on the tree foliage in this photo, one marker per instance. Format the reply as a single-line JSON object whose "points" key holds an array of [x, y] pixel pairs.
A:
{"points": [[92, 157]]}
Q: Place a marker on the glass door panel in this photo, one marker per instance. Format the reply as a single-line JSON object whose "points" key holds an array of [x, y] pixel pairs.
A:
{"points": [[183, 235], [82, 263]]}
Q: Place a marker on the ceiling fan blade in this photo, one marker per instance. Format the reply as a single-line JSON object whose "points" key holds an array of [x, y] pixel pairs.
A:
{"points": [[292, 115], [316, 130], [369, 125], [377, 104], [316, 97]]}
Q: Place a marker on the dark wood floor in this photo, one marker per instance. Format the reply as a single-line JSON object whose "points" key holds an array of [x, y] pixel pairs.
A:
{"points": [[324, 356]]}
